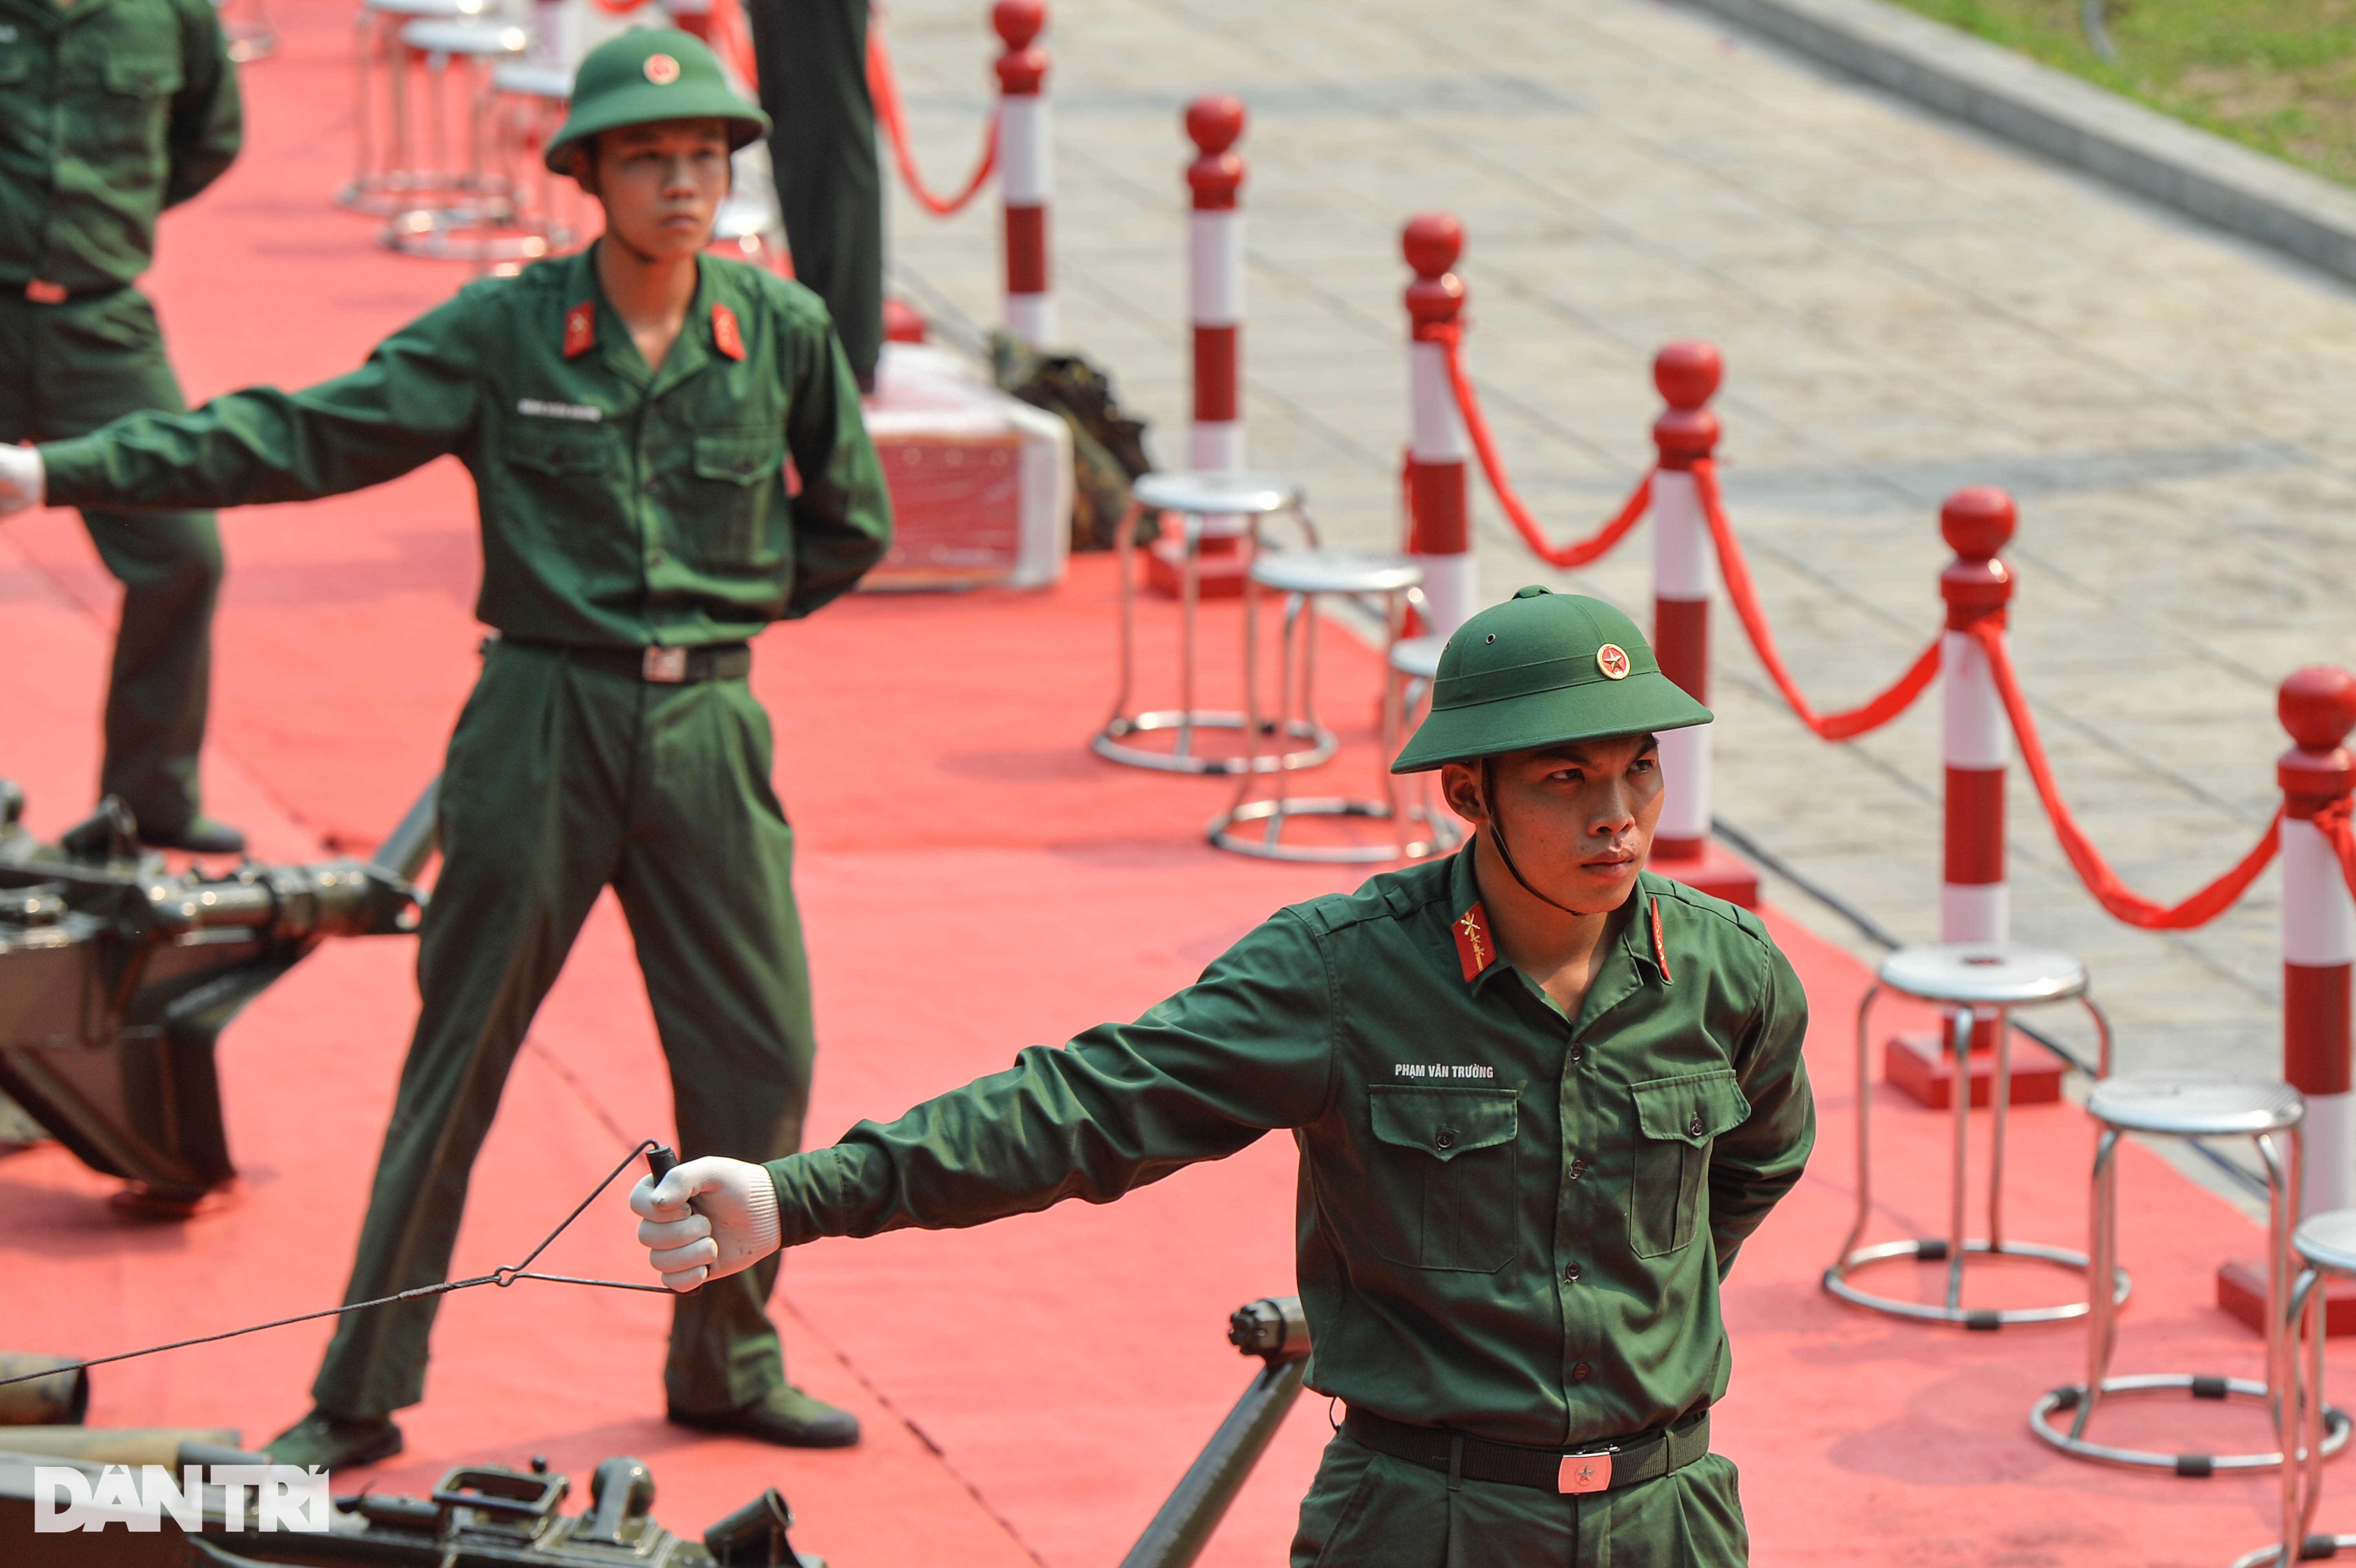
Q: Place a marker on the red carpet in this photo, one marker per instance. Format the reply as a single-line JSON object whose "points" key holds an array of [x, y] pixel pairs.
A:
{"points": [[974, 881]]}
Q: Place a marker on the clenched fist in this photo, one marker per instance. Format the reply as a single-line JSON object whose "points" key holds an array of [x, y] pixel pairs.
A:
{"points": [[708, 1218]]}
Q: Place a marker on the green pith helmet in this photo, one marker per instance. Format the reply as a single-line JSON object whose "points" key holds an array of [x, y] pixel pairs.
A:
{"points": [[1540, 669], [647, 75]]}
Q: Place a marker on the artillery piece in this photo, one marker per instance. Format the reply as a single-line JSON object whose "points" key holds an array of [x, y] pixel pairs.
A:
{"points": [[117, 976]]}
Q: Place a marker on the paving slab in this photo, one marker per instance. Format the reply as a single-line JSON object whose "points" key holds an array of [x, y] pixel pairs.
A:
{"points": [[1906, 305]]}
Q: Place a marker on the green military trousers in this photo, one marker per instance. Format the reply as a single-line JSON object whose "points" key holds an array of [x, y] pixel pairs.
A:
{"points": [[1369, 1510], [65, 370], [562, 779], [813, 56]]}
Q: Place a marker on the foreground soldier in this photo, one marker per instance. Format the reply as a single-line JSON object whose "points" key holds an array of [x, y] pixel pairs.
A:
{"points": [[626, 414], [1541, 1097], [112, 110]]}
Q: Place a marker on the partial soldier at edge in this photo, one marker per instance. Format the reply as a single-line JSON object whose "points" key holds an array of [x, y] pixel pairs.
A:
{"points": [[111, 113]]}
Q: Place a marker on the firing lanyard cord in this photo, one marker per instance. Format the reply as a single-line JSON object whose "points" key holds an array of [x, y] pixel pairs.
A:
{"points": [[502, 1277]]}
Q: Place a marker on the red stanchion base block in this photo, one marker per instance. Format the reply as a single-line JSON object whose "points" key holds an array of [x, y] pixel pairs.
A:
{"points": [[2242, 1291], [1924, 1070], [1716, 870], [1219, 568], [901, 322]]}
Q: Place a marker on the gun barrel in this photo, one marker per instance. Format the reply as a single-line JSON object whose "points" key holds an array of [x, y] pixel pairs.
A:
{"points": [[1276, 1330], [411, 842]]}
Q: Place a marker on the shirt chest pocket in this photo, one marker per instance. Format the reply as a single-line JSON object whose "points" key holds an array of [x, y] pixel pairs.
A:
{"points": [[733, 518], [1442, 1168], [565, 477], [129, 111], [149, 81], [1677, 1119]]}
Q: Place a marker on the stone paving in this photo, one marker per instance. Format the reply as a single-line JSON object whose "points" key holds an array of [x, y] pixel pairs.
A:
{"points": [[1905, 307]]}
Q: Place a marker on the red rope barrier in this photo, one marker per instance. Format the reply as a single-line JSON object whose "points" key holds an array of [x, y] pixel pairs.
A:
{"points": [[2102, 882], [732, 37], [1845, 726], [2333, 821], [884, 86], [1568, 557]]}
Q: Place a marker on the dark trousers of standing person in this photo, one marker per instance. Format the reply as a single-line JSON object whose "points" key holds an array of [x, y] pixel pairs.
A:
{"points": [[813, 56], [565, 777], [66, 369]]}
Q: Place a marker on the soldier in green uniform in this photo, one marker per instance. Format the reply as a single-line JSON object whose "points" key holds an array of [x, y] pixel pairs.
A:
{"points": [[1541, 1096], [112, 110], [628, 415]]}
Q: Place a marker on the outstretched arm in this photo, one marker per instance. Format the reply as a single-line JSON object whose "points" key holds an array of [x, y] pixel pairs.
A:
{"points": [[412, 401], [1243, 1050]]}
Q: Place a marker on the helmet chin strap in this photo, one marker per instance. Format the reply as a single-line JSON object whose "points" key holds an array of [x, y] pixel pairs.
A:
{"points": [[1497, 836]]}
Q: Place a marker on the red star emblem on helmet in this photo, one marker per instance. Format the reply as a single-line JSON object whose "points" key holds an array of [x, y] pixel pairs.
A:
{"points": [[1612, 660]]}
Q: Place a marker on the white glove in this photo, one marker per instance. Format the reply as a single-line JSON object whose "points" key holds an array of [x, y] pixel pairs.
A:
{"points": [[731, 1226], [23, 479]]}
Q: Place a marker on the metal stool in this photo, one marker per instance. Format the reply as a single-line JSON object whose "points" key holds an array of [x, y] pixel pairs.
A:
{"points": [[2326, 1243], [1301, 576], [1414, 665], [1981, 982], [1194, 497], [2189, 1105], [528, 99], [469, 227], [398, 185]]}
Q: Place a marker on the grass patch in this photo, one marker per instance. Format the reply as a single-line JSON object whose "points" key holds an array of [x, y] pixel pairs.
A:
{"points": [[2276, 75]]}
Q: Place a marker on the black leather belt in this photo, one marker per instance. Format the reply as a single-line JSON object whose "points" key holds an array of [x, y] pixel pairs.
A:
{"points": [[665, 666], [1599, 1467]]}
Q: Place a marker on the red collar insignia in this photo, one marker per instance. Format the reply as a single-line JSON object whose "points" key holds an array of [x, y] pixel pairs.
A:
{"points": [[1475, 949], [724, 333], [1660, 948], [580, 330]]}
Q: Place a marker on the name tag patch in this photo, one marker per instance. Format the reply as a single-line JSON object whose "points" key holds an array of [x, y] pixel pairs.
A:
{"points": [[1441, 1069], [538, 409]]}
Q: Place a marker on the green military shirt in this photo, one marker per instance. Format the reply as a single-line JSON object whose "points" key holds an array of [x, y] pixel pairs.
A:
{"points": [[1511, 1223], [110, 111], [620, 507]]}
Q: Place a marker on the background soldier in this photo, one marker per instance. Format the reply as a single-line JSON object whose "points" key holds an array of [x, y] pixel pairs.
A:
{"points": [[626, 414], [812, 56], [1541, 1097], [112, 110]]}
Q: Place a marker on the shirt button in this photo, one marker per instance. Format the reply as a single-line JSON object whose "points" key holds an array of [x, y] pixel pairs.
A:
{"points": [[1578, 1168], [1579, 1372], [1444, 1139], [654, 558], [1571, 1273], [1578, 1054], [652, 486], [1692, 1128]]}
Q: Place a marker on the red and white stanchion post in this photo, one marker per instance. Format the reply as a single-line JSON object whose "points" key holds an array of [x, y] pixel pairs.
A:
{"points": [[1214, 289], [1025, 169], [1976, 745], [2318, 706], [1440, 530], [1688, 374], [1976, 740]]}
